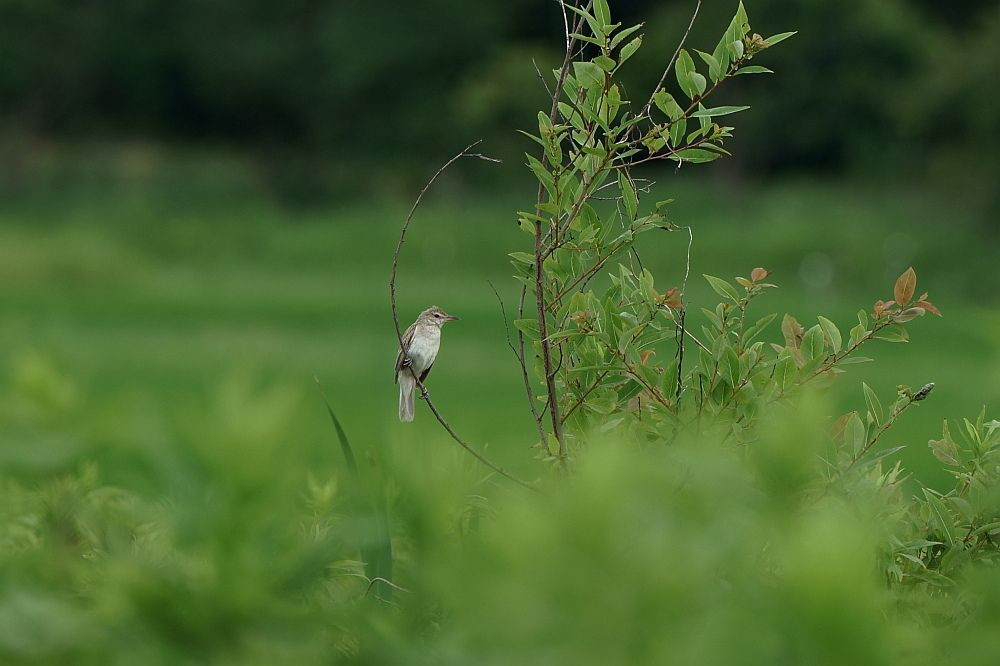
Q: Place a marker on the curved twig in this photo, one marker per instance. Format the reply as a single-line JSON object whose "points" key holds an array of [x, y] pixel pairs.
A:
{"points": [[673, 58], [399, 335]]}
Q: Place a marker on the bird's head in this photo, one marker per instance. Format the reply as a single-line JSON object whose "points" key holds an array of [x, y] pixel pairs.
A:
{"points": [[436, 316]]}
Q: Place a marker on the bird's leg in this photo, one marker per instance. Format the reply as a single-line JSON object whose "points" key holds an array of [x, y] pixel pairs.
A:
{"points": [[406, 362], [423, 392]]}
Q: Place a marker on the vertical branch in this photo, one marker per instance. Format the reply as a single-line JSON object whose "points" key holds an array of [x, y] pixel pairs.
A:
{"points": [[543, 333], [552, 397], [540, 250], [681, 330]]}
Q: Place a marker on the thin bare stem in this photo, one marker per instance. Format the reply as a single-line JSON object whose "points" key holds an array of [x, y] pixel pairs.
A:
{"points": [[597, 382], [673, 58], [520, 359], [885, 426], [399, 335], [541, 78]]}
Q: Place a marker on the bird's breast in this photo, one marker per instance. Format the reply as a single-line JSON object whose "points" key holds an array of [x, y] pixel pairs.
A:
{"points": [[424, 347]]}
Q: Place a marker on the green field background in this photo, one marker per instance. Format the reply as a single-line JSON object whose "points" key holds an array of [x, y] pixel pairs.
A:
{"points": [[136, 305]]}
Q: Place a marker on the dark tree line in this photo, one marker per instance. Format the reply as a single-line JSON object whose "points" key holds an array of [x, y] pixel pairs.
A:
{"points": [[342, 87]]}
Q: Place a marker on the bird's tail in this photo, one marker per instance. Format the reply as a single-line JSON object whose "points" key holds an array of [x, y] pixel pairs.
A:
{"points": [[406, 386]]}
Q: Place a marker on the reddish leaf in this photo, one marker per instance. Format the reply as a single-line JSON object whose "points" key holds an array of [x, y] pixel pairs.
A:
{"points": [[758, 274], [927, 305], [672, 299], [792, 331], [906, 284], [838, 427]]}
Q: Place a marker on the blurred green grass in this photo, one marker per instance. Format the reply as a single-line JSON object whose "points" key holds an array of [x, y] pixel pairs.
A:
{"points": [[156, 298]]}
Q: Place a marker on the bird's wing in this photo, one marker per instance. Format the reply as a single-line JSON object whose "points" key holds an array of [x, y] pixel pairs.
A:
{"points": [[407, 339], [423, 377]]}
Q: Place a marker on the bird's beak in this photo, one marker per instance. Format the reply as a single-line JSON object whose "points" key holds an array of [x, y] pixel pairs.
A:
{"points": [[450, 318]]}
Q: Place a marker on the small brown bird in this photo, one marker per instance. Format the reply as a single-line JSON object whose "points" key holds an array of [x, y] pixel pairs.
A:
{"points": [[421, 341]]}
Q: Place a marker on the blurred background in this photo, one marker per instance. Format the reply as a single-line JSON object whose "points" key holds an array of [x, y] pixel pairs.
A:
{"points": [[195, 194], [199, 201]]}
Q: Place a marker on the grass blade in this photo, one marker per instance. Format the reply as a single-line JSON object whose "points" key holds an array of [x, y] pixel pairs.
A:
{"points": [[375, 544]]}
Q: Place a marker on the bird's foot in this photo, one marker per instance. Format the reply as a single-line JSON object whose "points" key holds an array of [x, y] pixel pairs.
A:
{"points": [[407, 362], [423, 393]]}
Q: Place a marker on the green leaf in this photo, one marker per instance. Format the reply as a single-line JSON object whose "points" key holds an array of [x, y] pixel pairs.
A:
{"points": [[731, 366], [857, 333], [942, 516], [541, 173], [699, 82], [684, 69], [753, 69], [776, 39], [832, 333], [677, 131], [666, 103], [714, 70], [595, 25], [544, 123], [874, 406], [614, 100], [738, 28], [695, 155], [605, 63], [345, 445], [756, 329], [588, 75], [723, 288], [585, 38], [527, 326], [559, 335], [623, 35], [629, 49], [855, 433], [718, 111], [523, 257], [813, 343], [602, 13], [946, 451], [851, 360], [784, 369], [533, 138], [628, 195], [893, 333]]}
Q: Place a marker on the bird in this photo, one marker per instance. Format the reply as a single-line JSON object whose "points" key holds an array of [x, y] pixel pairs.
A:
{"points": [[421, 343]]}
